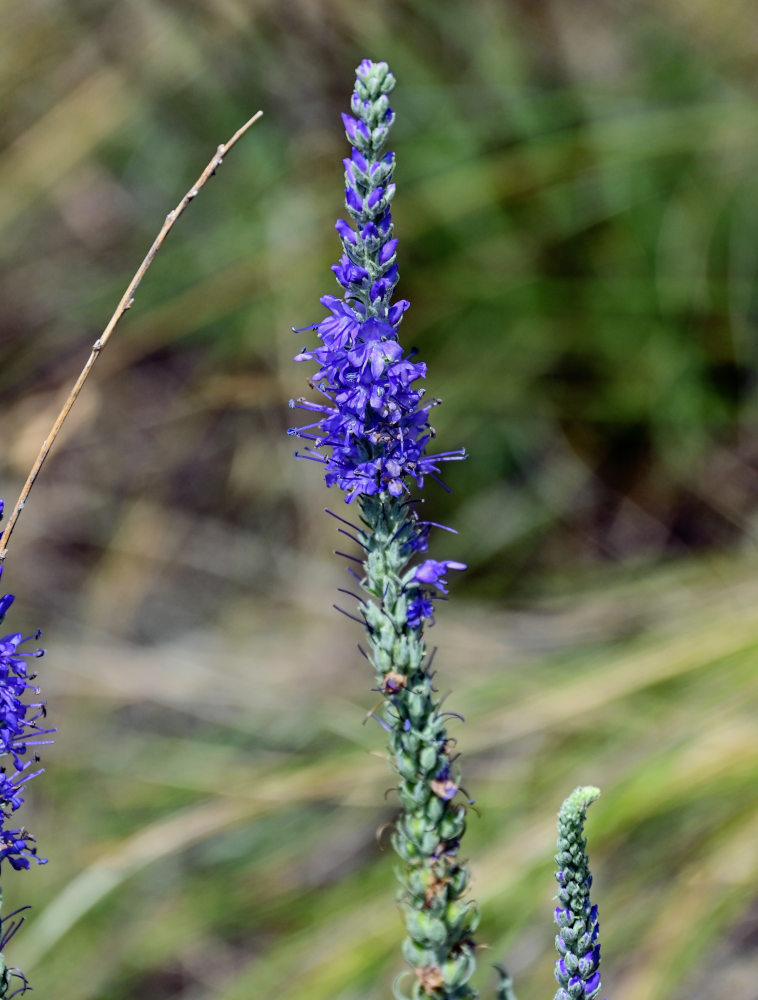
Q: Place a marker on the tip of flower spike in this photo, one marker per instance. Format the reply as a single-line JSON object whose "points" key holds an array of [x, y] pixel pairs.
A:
{"points": [[368, 65], [580, 799], [375, 76]]}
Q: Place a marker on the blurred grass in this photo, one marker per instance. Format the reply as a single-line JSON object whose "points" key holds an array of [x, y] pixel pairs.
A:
{"points": [[212, 831], [577, 211], [582, 188]]}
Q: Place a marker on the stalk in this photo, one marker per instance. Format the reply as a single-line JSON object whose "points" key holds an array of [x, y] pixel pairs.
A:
{"points": [[439, 919], [370, 432]]}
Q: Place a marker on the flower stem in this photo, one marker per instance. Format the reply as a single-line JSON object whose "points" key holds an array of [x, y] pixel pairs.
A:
{"points": [[439, 920]]}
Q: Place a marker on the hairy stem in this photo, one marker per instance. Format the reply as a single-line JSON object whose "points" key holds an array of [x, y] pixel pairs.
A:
{"points": [[439, 920]]}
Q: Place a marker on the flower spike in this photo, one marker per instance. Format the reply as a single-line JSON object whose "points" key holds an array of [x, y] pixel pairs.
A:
{"points": [[22, 731], [578, 967]]}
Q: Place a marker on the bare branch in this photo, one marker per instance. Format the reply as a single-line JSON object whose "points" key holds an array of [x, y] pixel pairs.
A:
{"points": [[126, 302]]}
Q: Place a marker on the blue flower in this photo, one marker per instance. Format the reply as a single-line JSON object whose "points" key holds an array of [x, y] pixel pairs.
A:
{"points": [[22, 730], [372, 428], [433, 571], [419, 609]]}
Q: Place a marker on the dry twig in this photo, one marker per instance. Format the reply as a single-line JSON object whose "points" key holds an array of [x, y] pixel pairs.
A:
{"points": [[126, 302]]}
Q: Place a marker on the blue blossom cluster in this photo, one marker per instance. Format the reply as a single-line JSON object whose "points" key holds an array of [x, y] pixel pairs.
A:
{"points": [[430, 573], [370, 431], [371, 428], [22, 730]]}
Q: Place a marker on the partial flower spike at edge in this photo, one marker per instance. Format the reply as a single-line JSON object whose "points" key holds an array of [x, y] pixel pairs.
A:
{"points": [[368, 426], [22, 727], [22, 731]]}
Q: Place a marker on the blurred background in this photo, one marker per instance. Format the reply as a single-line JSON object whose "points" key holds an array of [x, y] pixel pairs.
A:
{"points": [[577, 207]]}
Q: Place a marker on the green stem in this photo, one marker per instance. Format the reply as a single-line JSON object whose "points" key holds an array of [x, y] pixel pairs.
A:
{"points": [[439, 920]]}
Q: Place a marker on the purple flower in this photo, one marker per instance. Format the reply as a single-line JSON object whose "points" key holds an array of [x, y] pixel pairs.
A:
{"points": [[5, 603], [387, 251], [420, 609], [353, 200], [396, 310], [21, 732], [346, 233], [432, 572], [348, 273], [370, 427], [356, 130]]}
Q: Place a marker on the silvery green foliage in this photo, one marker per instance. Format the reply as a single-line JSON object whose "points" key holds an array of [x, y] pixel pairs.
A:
{"points": [[439, 918], [577, 970]]}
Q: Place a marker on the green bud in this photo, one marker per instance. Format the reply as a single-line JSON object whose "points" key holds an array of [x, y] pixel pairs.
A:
{"points": [[429, 841], [404, 847], [455, 914], [426, 928], [382, 660], [415, 828], [435, 807], [438, 920], [462, 916], [416, 706], [411, 741], [381, 105], [457, 971], [427, 759], [452, 825], [387, 634], [571, 962], [372, 614], [417, 881], [458, 881], [417, 955], [401, 655], [420, 796], [405, 767]]}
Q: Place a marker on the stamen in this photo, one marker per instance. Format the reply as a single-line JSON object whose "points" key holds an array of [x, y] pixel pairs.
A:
{"points": [[346, 556], [350, 524], [360, 621]]}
